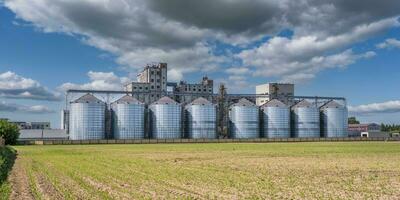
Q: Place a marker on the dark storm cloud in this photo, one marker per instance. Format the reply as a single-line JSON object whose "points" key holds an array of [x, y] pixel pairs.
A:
{"points": [[182, 32], [226, 15]]}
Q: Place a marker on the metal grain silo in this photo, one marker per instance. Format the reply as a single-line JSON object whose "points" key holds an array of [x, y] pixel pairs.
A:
{"points": [[334, 119], [276, 119], [244, 119], [201, 116], [165, 119], [128, 118], [305, 118], [87, 118]]}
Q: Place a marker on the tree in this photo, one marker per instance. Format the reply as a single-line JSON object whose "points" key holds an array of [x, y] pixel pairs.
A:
{"points": [[9, 132], [353, 120]]}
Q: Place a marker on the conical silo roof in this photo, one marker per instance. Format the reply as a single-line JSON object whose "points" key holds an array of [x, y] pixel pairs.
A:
{"points": [[87, 98], [274, 103], [331, 104], [302, 104], [201, 101], [128, 100], [165, 100], [244, 102]]}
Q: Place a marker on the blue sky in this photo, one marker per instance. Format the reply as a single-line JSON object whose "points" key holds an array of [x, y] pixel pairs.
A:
{"points": [[43, 52]]}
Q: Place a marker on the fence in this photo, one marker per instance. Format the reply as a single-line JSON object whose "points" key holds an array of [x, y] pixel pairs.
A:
{"points": [[178, 141]]}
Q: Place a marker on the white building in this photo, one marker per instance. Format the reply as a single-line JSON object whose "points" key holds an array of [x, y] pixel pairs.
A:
{"points": [[280, 91]]}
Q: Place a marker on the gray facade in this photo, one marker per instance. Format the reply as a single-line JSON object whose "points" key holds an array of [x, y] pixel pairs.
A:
{"points": [[151, 83], [203, 89]]}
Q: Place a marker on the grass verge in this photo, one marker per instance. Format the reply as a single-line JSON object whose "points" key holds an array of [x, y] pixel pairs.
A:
{"points": [[7, 158]]}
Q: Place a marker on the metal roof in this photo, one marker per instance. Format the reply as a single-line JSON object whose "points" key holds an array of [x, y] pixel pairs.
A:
{"points": [[332, 104], [244, 102], [274, 103], [302, 104], [88, 98], [200, 101], [128, 100], [166, 100]]}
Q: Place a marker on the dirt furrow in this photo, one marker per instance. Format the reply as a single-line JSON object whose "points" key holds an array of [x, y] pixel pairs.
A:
{"points": [[19, 181]]}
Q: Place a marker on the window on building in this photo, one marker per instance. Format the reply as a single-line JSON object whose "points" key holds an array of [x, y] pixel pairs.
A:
{"points": [[158, 86], [140, 88], [152, 72], [152, 87], [152, 80], [158, 80]]}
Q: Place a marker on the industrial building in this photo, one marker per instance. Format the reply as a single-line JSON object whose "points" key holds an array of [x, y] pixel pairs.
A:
{"points": [[152, 84], [280, 91], [168, 119], [32, 125], [356, 130], [155, 108], [204, 89]]}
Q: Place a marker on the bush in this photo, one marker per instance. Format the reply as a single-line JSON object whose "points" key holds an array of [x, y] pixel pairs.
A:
{"points": [[9, 132], [7, 158]]}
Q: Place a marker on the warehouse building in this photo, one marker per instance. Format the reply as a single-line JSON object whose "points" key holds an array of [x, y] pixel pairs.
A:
{"points": [[355, 130]]}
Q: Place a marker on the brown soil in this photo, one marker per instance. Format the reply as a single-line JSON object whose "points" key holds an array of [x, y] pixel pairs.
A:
{"points": [[19, 182]]}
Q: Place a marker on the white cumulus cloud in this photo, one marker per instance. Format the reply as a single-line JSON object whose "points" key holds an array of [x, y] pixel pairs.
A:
{"points": [[389, 43], [15, 86], [36, 109], [385, 107], [183, 33], [99, 81]]}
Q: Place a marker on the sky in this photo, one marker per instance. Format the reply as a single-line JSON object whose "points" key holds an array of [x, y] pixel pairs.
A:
{"points": [[339, 48]]}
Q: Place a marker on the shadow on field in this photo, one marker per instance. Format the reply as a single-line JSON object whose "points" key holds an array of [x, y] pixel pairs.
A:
{"points": [[7, 159]]}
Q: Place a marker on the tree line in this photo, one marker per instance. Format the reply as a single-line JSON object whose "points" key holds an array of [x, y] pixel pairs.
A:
{"points": [[394, 128]]}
